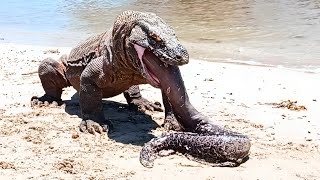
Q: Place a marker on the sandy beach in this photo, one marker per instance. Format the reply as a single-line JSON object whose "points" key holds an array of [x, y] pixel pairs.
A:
{"points": [[45, 143]]}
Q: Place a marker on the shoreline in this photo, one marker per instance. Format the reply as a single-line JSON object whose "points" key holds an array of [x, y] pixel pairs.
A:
{"points": [[285, 143], [222, 57]]}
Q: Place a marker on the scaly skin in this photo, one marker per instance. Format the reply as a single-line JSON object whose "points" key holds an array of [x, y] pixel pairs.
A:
{"points": [[220, 148], [140, 48], [110, 62]]}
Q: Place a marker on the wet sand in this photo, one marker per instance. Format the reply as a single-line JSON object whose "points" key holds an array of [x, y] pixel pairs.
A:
{"points": [[45, 143]]}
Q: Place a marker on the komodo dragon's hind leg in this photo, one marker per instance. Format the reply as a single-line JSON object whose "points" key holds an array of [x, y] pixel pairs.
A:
{"points": [[136, 101], [53, 80]]}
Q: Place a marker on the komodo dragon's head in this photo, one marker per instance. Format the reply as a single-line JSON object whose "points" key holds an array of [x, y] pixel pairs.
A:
{"points": [[150, 43]]}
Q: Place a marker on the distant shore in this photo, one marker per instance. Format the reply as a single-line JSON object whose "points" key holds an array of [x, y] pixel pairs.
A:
{"points": [[285, 143]]}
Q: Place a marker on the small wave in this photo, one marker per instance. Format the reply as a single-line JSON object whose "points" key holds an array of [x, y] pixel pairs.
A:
{"points": [[303, 68]]}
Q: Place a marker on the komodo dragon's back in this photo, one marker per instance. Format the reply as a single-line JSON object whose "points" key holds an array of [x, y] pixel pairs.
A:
{"points": [[88, 49]]}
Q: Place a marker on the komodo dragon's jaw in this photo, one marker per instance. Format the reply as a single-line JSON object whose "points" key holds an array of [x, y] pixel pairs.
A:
{"points": [[135, 33], [161, 53], [151, 76], [150, 33], [153, 68]]}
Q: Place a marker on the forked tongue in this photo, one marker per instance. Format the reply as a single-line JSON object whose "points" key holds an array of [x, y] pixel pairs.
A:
{"points": [[140, 50]]}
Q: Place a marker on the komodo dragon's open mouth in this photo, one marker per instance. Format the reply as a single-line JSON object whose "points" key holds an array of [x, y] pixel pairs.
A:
{"points": [[151, 65]]}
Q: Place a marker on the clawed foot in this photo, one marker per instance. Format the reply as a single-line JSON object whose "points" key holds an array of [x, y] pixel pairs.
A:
{"points": [[45, 100], [171, 123], [93, 127], [142, 104]]}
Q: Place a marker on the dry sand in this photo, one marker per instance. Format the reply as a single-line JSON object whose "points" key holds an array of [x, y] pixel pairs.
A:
{"points": [[45, 143]]}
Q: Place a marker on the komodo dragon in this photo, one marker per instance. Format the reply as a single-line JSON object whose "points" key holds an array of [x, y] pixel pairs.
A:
{"points": [[140, 48]]}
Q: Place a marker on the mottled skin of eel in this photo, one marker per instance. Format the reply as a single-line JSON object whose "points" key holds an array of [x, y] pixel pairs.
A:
{"points": [[220, 148]]}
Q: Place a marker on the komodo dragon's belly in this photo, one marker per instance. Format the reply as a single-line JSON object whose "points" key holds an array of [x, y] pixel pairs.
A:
{"points": [[73, 75], [109, 89]]}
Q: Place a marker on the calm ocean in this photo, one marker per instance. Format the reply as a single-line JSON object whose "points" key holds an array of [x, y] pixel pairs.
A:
{"points": [[259, 32]]}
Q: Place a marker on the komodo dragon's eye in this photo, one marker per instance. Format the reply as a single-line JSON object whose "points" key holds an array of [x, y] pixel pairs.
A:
{"points": [[155, 37]]}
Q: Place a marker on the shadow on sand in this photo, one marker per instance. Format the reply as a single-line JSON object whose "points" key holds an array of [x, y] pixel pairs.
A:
{"points": [[130, 126]]}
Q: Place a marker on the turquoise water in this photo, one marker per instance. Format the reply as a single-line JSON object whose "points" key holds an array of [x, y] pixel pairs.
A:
{"points": [[259, 32]]}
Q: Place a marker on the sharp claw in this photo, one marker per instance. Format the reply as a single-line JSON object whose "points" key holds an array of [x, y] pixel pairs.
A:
{"points": [[98, 129], [142, 108], [108, 126], [83, 126], [149, 107], [91, 130], [101, 130], [167, 126], [105, 128], [88, 126], [158, 109], [158, 104], [34, 98]]}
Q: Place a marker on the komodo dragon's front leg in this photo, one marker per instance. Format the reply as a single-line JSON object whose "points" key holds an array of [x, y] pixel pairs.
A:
{"points": [[92, 82]]}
